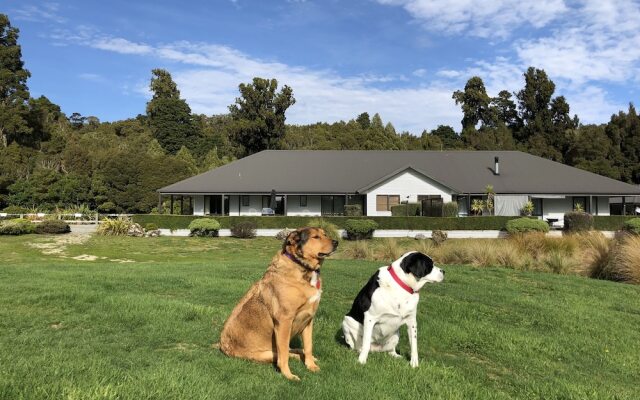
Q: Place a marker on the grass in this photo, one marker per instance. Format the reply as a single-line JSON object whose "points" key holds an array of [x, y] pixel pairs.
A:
{"points": [[141, 327]]}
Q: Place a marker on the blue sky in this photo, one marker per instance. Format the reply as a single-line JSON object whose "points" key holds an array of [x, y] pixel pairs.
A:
{"points": [[400, 58]]}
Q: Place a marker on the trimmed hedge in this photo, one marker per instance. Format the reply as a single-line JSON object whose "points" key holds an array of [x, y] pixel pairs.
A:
{"points": [[523, 225], [610, 222], [358, 229], [52, 227], [577, 221], [203, 227], [16, 227], [632, 226], [353, 210], [414, 209], [279, 222]]}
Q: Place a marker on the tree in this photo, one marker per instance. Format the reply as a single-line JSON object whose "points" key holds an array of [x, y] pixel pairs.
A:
{"points": [[14, 92], [474, 102], [77, 120], [505, 109], [448, 137], [533, 102], [363, 120], [259, 114], [169, 116]]}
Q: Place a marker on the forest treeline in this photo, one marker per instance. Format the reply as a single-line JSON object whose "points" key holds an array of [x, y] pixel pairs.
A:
{"points": [[49, 159]]}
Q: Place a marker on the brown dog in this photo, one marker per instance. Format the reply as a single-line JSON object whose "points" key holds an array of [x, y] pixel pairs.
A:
{"points": [[281, 305]]}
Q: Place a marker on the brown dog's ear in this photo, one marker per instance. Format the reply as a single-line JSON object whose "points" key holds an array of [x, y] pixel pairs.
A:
{"points": [[296, 238], [291, 240]]}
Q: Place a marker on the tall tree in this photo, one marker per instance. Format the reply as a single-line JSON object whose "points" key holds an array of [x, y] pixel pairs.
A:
{"points": [[534, 104], [474, 102], [169, 116], [14, 92], [259, 114], [448, 137], [505, 109]]}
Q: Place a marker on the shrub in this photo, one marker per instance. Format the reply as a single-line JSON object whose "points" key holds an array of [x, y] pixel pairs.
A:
{"points": [[114, 226], [358, 229], [632, 226], [522, 225], [150, 227], [527, 208], [403, 210], [107, 207], [329, 228], [625, 265], [597, 256], [576, 221], [353, 210], [53, 227], [359, 251], [282, 235], [15, 210], [244, 230], [204, 227], [558, 262], [438, 237], [391, 250], [450, 209], [16, 227]]}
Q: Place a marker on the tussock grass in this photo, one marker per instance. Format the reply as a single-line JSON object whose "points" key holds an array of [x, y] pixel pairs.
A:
{"points": [[625, 264]]}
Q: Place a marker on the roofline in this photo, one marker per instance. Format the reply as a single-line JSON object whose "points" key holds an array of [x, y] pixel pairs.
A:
{"points": [[398, 171]]}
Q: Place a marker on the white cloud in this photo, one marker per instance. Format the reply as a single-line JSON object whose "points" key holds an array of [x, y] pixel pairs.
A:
{"points": [[87, 76], [120, 45], [485, 18]]}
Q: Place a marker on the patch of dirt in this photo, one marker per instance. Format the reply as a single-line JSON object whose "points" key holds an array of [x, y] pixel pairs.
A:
{"points": [[85, 257], [121, 261], [56, 325], [57, 245]]}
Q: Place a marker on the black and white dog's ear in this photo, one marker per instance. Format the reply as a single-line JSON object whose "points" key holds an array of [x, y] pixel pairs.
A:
{"points": [[418, 264]]}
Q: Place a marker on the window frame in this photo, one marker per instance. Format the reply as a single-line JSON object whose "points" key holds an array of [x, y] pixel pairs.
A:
{"points": [[387, 203], [301, 202], [246, 203]]}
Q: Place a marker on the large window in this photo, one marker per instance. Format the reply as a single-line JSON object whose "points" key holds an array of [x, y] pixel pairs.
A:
{"points": [[266, 201], [384, 202], [332, 205], [245, 201], [537, 207], [303, 201], [580, 203]]}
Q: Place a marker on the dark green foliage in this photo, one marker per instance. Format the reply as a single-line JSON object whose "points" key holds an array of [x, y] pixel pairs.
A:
{"points": [[15, 210], [610, 222], [277, 222], [353, 210], [450, 209], [52, 227], [358, 229], [16, 227], [524, 225], [576, 221], [244, 229], [632, 226], [402, 210], [204, 227], [152, 227], [474, 102], [259, 114]]}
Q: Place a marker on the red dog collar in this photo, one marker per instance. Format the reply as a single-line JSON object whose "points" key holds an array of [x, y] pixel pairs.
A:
{"points": [[397, 279]]}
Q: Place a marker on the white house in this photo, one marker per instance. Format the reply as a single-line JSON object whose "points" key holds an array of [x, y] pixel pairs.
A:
{"points": [[317, 183]]}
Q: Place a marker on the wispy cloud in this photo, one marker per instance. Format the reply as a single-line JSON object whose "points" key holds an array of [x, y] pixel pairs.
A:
{"points": [[39, 13], [486, 19]]}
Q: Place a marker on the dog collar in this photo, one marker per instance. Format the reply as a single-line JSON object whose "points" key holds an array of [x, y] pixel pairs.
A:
{"points": [[397, 279], [295, 260]]}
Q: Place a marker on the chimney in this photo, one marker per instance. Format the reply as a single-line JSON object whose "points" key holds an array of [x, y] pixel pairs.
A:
{"points": [[496, 166]]}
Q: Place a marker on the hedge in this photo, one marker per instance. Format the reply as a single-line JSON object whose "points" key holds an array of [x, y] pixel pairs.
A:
{"points": [[523, 225], [358, 229], [633, 226], [403, 210], [577, 221], [610, 222], [280, 222]]}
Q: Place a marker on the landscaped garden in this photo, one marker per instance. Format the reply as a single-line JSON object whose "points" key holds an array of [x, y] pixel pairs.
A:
{"points": [[102, 317]]}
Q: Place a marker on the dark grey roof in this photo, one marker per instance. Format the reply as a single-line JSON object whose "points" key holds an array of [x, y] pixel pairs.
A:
{"points": [[350, 171]]}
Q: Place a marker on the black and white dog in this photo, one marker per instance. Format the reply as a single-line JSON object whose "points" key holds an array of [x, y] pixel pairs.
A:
{"points": [[388, 301]]}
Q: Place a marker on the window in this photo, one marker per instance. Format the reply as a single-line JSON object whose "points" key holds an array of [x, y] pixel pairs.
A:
{"points": [[384, 202], [580, 203], [266, 201], [303, 201], [245, 201], [537, 207]]}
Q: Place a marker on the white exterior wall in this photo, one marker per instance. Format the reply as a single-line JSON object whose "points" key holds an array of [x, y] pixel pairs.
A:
{"points": [[313, 207], [407, 183], [198, 205], [254, 208], [603, 205]]}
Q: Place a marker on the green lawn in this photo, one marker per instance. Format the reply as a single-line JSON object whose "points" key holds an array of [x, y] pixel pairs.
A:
{"points": [[142, 327]]}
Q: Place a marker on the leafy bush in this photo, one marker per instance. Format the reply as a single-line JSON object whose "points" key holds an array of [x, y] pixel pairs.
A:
{"points": [[16, 227], [150, 227], [403, 210], [204, 227], [353, 210], [244, 230], [522, 225], [52, 227], [114, 227], [438, 237], [632, 226], [282, 235], [625, 264], [610, 222], [15, 210], [450, 209], [358, 229], [330, 229], [107, 207], [527, 208], [577, 221]]}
